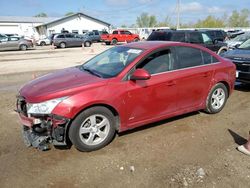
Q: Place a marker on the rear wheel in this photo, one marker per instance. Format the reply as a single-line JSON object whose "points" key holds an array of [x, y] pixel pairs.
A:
{"points": [[136, 40], [114, 41], [42, 43], [92, 129], [217, 98], [23, 47], [62, 45]]}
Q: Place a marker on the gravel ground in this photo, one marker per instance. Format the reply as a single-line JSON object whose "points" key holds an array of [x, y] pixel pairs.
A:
{"points": [[193, 150]]}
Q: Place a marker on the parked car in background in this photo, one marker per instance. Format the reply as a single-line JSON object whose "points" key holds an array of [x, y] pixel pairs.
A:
{"points": [[120, 36], [94, 36], [218, 35], [65, 40], [234, 33], [51, 37], [238, 40], [15, 43], [189, 36], [241, 58], [152, 81], [104, 36], [43, 42]]}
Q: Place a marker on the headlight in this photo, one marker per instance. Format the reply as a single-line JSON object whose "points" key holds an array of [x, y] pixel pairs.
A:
{"points": [[44, 107]]}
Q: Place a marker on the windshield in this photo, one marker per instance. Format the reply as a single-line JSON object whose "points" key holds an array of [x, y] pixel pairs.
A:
{"points": [[245, 45], [111, 62], [242, 37]]}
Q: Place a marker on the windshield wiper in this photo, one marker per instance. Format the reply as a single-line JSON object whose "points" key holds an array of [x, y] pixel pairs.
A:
{"points": [[91, 71]]}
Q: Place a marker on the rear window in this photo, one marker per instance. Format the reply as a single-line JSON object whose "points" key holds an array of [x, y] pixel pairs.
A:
{"points": [[159, 36]]}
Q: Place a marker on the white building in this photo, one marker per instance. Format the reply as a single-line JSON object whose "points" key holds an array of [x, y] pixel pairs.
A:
{"points": [[23, 26], [40, 27]]}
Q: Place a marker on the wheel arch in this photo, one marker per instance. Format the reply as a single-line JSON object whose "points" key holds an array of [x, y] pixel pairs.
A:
{"points": [[109, 107]]}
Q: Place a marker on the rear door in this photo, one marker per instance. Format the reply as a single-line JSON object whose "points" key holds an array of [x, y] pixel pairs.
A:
{"points": [[195, 72], [4, 44]]}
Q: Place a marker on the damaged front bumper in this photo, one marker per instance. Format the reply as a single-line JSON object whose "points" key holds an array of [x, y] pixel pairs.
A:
{"points": [[40, 131]]}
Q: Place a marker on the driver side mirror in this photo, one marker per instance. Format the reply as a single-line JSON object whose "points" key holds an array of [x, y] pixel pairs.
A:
{"points": [[140, 74]]}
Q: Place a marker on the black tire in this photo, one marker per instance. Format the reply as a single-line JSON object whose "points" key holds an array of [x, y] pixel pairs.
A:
{"points": [[107, 43], [83, 121], [211, 102], [136, 40], [222, 51], [87, 44], [23, 47], [62, 45], [114, 41], [42, 43]]}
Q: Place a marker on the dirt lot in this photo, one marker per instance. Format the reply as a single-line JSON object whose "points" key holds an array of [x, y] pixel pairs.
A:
{"points": [[171, 153]]}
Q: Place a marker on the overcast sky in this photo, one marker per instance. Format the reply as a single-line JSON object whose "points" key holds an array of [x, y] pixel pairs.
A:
{"points": [[118, 12]]}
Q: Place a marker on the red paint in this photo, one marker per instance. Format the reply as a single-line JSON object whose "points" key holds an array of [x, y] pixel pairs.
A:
{"points": [[137, 102], [120, 36]]}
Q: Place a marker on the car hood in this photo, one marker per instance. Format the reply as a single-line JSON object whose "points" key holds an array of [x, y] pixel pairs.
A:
{"points": [[238, 55], [62, 83]]}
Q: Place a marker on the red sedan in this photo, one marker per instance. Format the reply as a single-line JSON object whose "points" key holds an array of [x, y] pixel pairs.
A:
{"points": [[122, 88]]}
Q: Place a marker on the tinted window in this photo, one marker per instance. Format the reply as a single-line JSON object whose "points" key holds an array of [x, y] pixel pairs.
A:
{"points": [[207, 58], [122, 32], [69, 36], [60, 36], [159, 36], [96, 32], [178, 36], [195, 37], [127, 33], [188, 57], [115, 32], [158, 62]]}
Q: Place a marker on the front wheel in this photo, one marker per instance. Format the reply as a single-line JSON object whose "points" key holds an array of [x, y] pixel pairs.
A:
{"points": [[216, 99], [114, 41], [92, 129]]}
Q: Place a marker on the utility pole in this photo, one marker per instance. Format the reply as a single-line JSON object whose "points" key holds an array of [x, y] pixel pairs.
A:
{"points": [[178, 15]]}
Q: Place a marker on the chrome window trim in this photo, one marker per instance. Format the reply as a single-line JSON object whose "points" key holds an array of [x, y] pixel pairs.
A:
{"points": [[185, 68]]}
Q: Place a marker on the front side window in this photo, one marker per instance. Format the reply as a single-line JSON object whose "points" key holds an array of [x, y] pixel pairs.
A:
{"points": [[195, 37], [158, 62], [188, 57], [115, 32], [111, 62]]}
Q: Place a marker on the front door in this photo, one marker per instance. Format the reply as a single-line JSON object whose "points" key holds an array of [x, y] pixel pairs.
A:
{"points": [[154, 98]]}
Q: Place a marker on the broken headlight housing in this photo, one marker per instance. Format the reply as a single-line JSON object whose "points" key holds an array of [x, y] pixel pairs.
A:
{"points": [[45, 107]]}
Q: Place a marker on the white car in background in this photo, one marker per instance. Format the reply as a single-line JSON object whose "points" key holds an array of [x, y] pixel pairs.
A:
{"points": [[43, 42], [238, 40]]}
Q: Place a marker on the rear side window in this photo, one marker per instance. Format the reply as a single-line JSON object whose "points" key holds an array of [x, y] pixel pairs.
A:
{"points": [[159, 36], [188, 57], [115, 32], [178, 36], [69, 36], [207, 58], [60, 36], [195, 37]]}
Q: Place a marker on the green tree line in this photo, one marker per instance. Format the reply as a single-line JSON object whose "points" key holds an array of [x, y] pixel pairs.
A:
{"points": [[236, 19]]}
